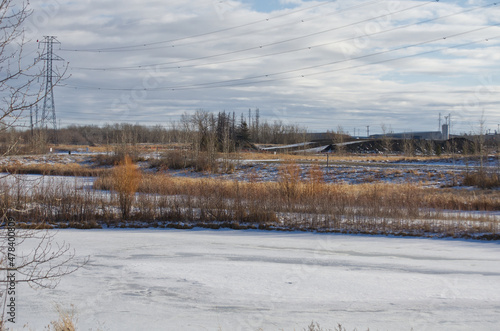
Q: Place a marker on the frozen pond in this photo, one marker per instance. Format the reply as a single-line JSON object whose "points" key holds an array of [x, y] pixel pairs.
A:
{"points": [[30, 182], [252, 280]]}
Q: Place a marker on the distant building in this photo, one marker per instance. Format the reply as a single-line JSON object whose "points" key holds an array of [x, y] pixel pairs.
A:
{"points": [[445, 132], [425, 135]]}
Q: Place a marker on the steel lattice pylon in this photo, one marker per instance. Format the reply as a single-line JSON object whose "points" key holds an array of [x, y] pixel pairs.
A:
{"points": [[49, 109]]}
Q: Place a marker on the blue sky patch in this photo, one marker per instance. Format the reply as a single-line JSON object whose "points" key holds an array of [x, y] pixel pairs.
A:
{"points": [[266, 6]]}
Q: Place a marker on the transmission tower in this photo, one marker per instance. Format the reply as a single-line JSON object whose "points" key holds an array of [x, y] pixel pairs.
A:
{"points": [[49, 109]]}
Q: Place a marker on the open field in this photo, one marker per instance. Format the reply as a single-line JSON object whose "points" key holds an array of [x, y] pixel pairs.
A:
{"points": [[254, 280], [429, 170]]}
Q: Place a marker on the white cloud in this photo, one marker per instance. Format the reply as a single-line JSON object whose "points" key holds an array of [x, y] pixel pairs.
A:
{"points": [[215, 55]]}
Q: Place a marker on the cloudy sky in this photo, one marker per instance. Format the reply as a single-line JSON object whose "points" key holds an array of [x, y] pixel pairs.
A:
{"points": [[320, 64]]}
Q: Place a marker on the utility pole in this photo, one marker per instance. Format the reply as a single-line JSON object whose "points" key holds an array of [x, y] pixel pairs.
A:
{"points": [[49, 109], [257, 134], [449, 123]]}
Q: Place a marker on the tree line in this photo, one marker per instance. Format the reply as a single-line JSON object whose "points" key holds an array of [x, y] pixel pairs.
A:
{"points": [[222, 131]]}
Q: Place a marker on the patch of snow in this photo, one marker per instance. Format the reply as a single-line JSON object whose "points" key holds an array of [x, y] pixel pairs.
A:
{"points": [[287, 146], [315, 150], [351, 142]]}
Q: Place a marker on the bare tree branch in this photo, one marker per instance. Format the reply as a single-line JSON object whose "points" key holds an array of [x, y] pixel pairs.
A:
{"points": [[48, 261]]}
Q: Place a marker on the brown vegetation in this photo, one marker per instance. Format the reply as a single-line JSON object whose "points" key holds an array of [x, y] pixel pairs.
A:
{"points": [[125, 179], [482, 178], [57, 169], [316, 327], [293, 202], [66, 321], [298, 199]]}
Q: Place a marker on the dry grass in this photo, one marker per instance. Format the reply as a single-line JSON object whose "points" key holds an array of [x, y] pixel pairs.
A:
{"points": [[232, 200], [112, 147], [66, 321], [482, 179], [179, 159], [59, 169], [316, 327], [461, 200], [297, 157], [295, 201], [297, 192]]}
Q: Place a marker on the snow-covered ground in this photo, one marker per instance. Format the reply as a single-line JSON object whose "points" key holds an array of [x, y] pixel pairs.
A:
{"points": [[248, 280], [29, 182]]}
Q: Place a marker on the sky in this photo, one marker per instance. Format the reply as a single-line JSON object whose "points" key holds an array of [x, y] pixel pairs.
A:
{"points": [[323, 65]]}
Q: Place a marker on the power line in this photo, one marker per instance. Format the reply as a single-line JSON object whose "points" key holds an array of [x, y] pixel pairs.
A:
{"points": [[267, 30], [242, 81], [358, 66], [123, 48], [157, 66], [265, 79], [276, 42]]}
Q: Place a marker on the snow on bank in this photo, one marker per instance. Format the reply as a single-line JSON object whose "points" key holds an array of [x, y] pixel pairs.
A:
{"points": [[246, 280], [30, 182]]}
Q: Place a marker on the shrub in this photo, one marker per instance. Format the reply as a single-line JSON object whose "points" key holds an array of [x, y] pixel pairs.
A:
{"points": [[125, 180], [482, 179], [202, 161], [174, 159], [117, 155]]}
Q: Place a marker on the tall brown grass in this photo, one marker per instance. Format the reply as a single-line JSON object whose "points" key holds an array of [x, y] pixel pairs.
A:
{"points": [[59, 169], [289, 183], [482, 178], [296, 201]]}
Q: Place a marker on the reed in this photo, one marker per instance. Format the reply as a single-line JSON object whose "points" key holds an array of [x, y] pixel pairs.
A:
{"points": [[295, 201]]}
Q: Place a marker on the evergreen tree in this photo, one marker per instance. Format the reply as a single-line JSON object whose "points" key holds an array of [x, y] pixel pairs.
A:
{"points": [[243, 134]]}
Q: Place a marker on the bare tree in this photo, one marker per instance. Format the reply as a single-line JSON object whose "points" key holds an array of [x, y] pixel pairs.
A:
{"points": [[338, 139], [16, 77], [386, 139], [41, 265], [408, 146], [47, 261], [44, 264]]}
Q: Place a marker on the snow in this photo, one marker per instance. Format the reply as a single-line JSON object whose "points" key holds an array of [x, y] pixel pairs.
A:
{"points": [[312, 150], [247, 280], [315, 150], [29, 182], [287, 146], [351, 142]]}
